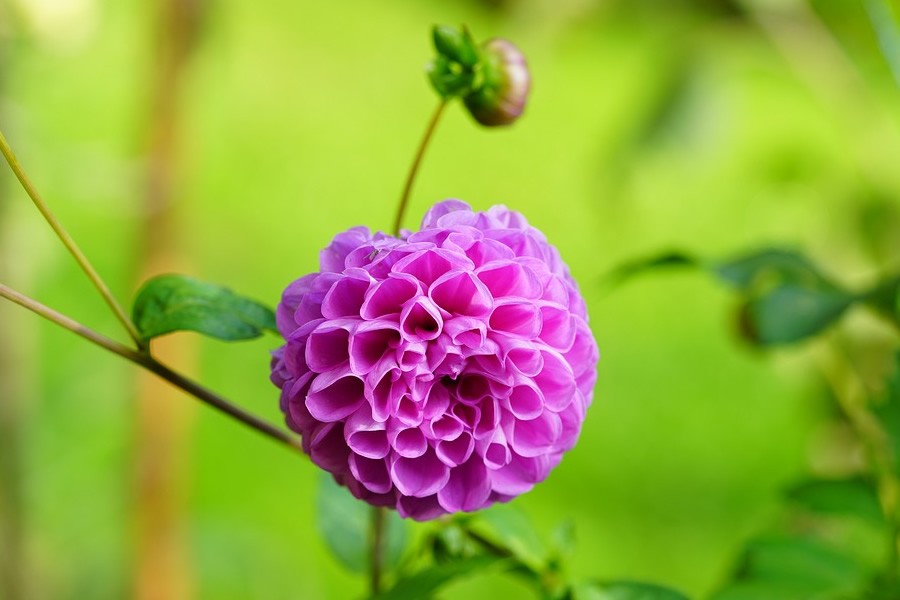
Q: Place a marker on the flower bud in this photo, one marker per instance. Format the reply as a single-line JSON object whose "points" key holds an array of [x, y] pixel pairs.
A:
{"points": [[501, 97]]}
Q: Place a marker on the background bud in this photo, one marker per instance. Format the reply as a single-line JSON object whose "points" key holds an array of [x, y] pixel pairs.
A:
{"points": [[501, 96]]}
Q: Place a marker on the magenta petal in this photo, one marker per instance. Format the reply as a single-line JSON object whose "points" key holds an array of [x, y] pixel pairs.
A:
{"points": [[388, 297], [558, 328], [370, 342], [419, 477], [373, 474], [526, 402], [409, 442], [467, 489], [556, 381], [504, 278], [457, 451], [334, 396], [327, 447], [520, 474], [537, 436], [440, 209], [446, 427], [421, 321], [365, 436], [420, 509], [327, 347], [346, 296], [425, 266], [520, 319], [461, 293], [496, 452]]}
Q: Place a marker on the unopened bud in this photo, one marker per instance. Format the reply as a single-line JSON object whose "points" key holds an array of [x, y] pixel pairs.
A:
{"points": [[501, 96]]}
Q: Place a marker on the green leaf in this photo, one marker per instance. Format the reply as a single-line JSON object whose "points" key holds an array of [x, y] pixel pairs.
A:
{"points": [[666, 260], [510, 528], [887, 411], [800, 566], [841, 497], [169, 303], [344, 523], [787, 298], [884, 21], [423, 584], [789, 314], [771, 266], [626, 590]]}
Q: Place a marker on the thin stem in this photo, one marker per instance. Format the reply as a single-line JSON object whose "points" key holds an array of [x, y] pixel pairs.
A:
{"points": [[414, 169], [67, 240], [143, 359], [379, 542]]}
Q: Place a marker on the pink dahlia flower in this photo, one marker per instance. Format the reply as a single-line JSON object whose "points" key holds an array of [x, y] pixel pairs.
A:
{"points": [[441, 371]]}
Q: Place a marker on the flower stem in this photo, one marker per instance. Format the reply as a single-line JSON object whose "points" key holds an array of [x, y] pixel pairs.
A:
{"points": [[143, 359], [69, 243], [414, 169], [378, 540]]}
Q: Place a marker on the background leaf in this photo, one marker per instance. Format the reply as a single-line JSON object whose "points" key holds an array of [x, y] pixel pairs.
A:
{"points": [[510, 528], [344, 523], [169, 303], [795, 568], [888, 413], [851, 497], [626, 590], [425, 583], [790, 314]]}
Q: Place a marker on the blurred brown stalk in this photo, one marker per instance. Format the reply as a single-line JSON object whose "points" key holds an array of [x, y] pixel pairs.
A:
{"points": [[161, 457]]}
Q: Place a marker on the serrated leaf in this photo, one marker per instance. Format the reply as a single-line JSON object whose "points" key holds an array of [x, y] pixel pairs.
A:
{"points": [[425, 583], [841, 497], [801, 566], [345, 521], [626, 590], [510, 528], [170, 303]]}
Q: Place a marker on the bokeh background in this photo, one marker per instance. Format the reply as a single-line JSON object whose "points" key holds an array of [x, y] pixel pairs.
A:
{"points": [[231, 140]]}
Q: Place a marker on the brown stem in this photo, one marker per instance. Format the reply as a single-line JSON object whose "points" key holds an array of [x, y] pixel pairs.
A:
{"points": [[67, 240], [162, 560], [414, 169], [143, 359]]}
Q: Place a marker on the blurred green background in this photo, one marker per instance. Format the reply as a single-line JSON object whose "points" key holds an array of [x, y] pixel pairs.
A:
{"points": [[708, 125]]}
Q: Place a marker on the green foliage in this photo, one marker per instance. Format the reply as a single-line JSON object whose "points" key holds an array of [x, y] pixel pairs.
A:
{"points": [[626, 590], [785, 297], [345, 525], [511, 529], [855, 497], [170, 303], [423, 584], [796, 568], [888, 414]]}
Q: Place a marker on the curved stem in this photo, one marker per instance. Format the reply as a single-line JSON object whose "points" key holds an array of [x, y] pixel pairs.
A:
{"points": [[378, 541], [414, 169], [143, 359], [69, 243]]}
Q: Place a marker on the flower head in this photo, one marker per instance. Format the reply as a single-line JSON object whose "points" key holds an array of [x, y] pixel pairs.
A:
{"points": [[441, 371]]}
